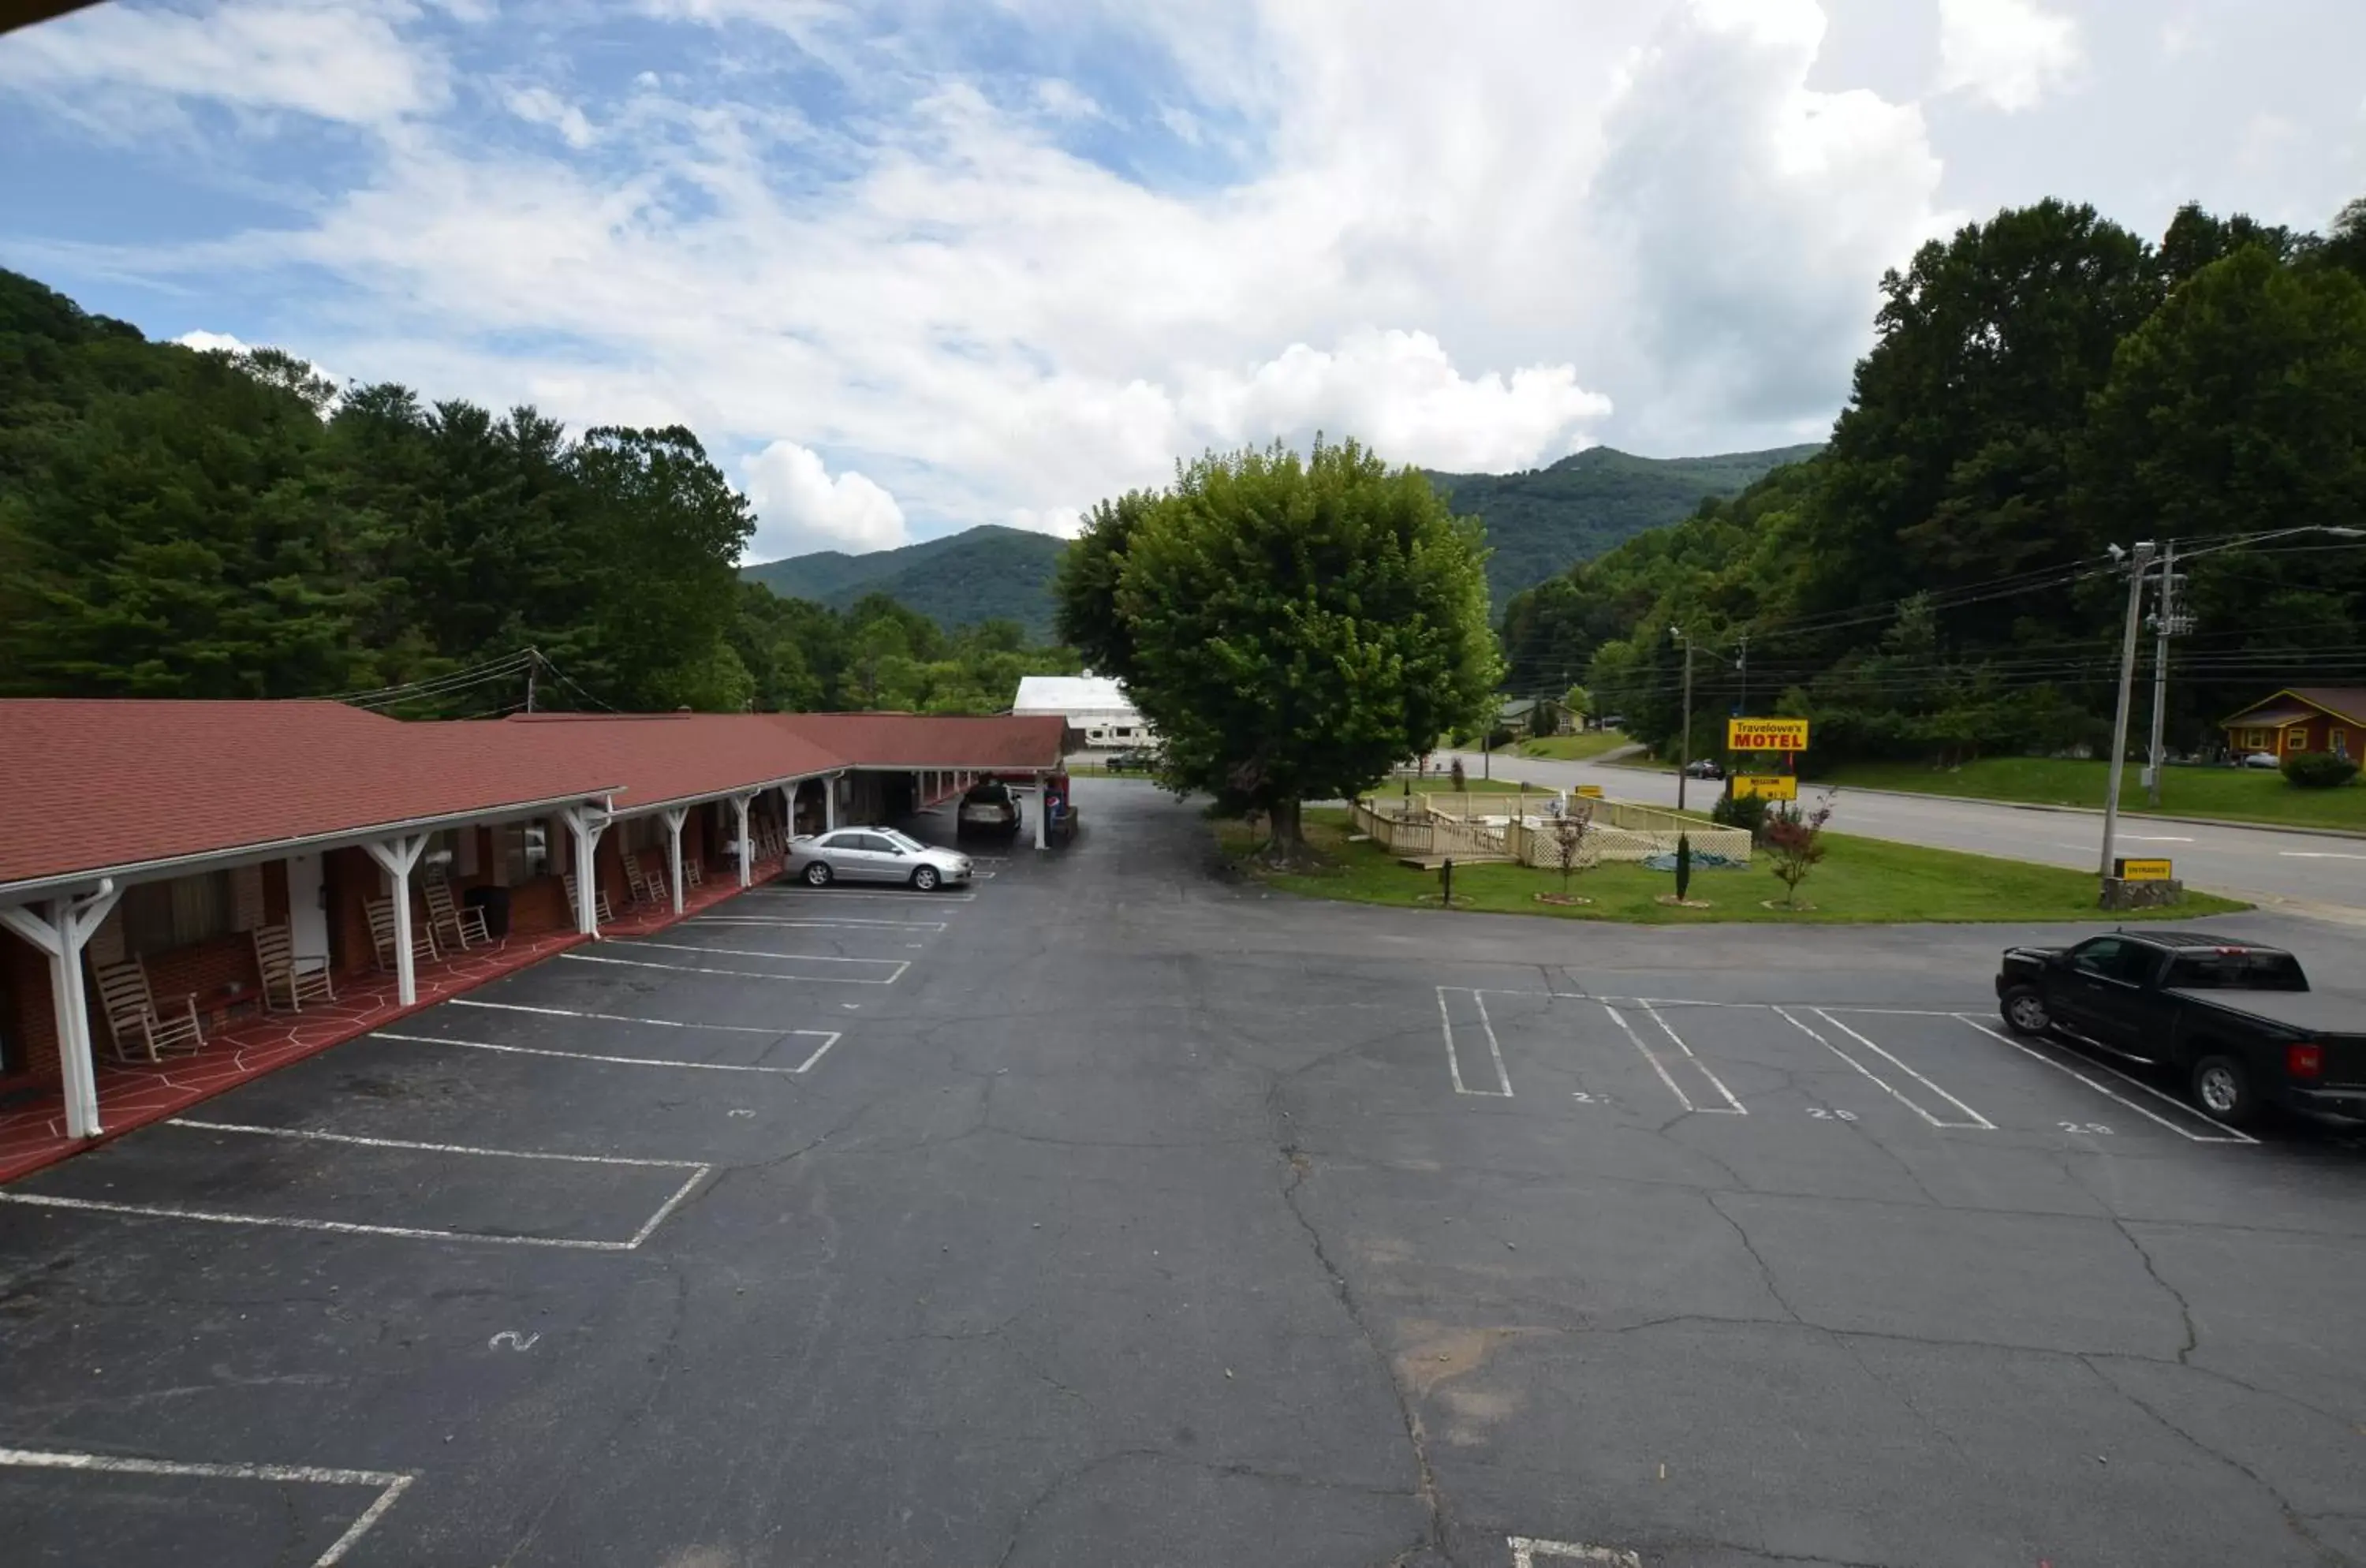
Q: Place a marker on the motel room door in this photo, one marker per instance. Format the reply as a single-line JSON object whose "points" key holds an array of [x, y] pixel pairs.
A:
{"points": [[308, 914]]}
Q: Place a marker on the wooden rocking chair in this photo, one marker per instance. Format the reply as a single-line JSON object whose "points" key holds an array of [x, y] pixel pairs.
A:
{"points": [[285, 975], [644, 888], [466, 925], [599, 901], [382, 924], [132, 1018]]}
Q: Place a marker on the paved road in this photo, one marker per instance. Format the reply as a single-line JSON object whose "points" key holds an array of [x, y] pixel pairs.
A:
{"points": [[2313, 869], [1146, 1220]]}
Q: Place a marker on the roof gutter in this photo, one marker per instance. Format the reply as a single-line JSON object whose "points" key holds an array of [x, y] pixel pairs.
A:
{"points": [[26, 891], [644, 808]]}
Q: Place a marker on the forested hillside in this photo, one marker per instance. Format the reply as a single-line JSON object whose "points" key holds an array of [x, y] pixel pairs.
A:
{"points": [[986, 574], [184, 525], [1936, 585], [1540, 522]]}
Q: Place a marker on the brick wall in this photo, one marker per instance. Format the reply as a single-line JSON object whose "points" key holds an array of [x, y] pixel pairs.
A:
{"points": [[31, 1019]]}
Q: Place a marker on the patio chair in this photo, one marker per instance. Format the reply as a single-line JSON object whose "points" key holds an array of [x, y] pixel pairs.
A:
{"points": [[132, 1018], [382, 924], [643, 887], [285, 975], [599, 900], [466, 925], [692, 874]]}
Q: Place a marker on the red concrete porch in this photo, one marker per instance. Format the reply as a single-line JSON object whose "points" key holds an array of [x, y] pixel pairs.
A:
{"points": [[132, 1094]]}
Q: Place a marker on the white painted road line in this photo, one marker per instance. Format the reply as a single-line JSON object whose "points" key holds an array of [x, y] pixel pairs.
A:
{"points": [[1526, 1550], [698, 1171], [741, 973], [1809, 1007], [311, 1134], [1977, 1120], [391, 1483], [828, 1037], [1621, 1019], [836, 892], [850, 922], [620, 1017], [897, 964], [2224, 1135], [1736, 1106], [1454, 1058], [2316, 854]]}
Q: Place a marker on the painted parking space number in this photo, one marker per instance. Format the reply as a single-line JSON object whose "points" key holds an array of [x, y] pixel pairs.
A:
{"points": [[1824, 1114], [512, 1338], [2094, 1127]]}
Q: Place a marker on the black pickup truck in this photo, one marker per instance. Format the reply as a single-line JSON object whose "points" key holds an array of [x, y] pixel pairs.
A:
{"points": [[2233, 1020]]}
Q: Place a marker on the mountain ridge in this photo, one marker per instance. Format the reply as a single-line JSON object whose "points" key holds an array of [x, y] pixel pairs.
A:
{"points": [[1538, 522]]}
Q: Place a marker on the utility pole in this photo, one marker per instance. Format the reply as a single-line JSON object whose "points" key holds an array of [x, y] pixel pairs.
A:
{"points": [[1742, 664], [2166, 624], [1685, 746], [532, 667], [2137, 565]]}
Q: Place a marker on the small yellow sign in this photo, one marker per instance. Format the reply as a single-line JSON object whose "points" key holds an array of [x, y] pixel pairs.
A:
{"points": [[1766, 734], [2142, 870], [1590, 792], [1765, 786]]}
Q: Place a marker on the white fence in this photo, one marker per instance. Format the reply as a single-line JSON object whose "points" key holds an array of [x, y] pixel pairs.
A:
{"points": [[1491, 826]]}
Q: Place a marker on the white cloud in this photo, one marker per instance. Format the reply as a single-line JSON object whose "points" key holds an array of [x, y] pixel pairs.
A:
{"points": [[2010, 52], [540, 105], [1065, 100], [1398, 392], [800, 507], [332, 62]]}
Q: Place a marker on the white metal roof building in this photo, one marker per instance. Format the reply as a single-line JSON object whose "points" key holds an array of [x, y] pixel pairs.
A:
{"points": [[1094, 705]]}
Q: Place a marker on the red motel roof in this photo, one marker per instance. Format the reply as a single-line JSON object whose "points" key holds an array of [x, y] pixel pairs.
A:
{"points": [[92, 786]]}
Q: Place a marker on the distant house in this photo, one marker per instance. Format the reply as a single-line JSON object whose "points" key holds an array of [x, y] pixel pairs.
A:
{"points": [[1526, 716], [2302, 718], [1095, 706]]}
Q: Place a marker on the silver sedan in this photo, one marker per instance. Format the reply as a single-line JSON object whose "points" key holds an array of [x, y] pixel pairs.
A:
{"points": [[873, 854]]}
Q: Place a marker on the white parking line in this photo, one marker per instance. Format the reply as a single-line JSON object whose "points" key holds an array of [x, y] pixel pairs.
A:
{"points": [[898, 964], [698, 1171], [1715, 1082], [742, 973], [619, 1018], [2226, 1134], [391, 1483], [1527, 1550], [849, 922], [828, 1037], [836, 892], [1977, 1120], [1454, 1059]]}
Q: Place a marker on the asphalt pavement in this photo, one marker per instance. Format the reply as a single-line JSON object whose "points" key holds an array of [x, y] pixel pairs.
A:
{"points": [[2322, 874], [1112, 1214]]}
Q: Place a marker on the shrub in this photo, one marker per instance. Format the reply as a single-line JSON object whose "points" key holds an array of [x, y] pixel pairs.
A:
{"points": [[2319, 770], [1750, 815], [1683, 866], [1796, 838]]}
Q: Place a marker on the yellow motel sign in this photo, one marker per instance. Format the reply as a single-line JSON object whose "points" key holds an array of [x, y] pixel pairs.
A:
{"points": [[1765, 786], [1766, 734], [2143, 870]]}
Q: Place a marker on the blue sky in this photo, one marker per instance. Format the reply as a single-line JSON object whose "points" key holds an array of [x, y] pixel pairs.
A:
{"points": [[915, 264]]}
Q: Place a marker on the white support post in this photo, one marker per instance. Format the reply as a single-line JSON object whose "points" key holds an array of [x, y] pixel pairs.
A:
{"points": [[61, 937], [789, 810], [674, 817], [396, 856], [739, 803], [1042, 813], [829, 803], [586, 824]]}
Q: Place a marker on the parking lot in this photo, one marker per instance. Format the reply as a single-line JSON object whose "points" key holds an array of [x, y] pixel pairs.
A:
{"points": [[1107, 1213]]}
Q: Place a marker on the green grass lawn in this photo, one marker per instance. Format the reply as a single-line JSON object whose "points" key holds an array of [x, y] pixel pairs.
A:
{"points": [[2242, 795], [1860, 881], [1574, 748]]}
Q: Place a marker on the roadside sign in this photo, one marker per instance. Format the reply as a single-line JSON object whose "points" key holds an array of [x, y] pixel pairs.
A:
{"points": [[1766, 735], [2141, 869], [1590, 792], [1765, 786]]}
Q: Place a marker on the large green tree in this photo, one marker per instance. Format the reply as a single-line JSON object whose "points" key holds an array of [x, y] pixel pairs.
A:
{"points": [[1293, 626]]}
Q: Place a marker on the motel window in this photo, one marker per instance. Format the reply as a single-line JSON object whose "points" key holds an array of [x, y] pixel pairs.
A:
{"points": [[161, 915], [2296, 740], [522, 850]]}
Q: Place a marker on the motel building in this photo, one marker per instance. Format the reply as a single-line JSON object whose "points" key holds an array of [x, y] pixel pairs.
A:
{"points": [[192, 893]]}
